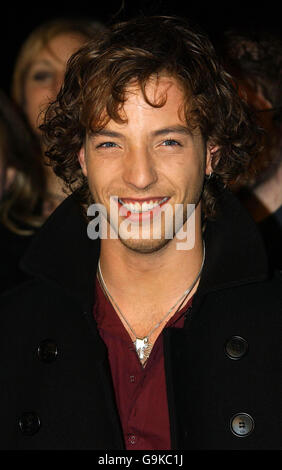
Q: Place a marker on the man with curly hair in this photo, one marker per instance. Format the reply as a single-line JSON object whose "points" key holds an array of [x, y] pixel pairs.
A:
{"points": [[162, 332]]}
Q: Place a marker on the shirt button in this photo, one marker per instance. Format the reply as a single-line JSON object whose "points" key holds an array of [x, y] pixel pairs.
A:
{"points": [[29, 423], [132, 439], [242, 424], [47, 351], [236, 347], [132, 378]]}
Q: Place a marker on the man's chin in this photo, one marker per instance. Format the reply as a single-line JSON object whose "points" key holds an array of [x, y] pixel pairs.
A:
{"points": [[144, 246]]}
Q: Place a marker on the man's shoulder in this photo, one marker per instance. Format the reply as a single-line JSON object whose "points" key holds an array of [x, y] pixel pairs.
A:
{"points": [[25, 290], [265, 289], [16, 294], [252, 300], [31, 299], [271, 288]]}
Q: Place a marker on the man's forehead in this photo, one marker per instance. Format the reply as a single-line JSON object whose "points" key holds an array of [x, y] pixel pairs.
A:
{"points": [[155, 88], [161, 96]]}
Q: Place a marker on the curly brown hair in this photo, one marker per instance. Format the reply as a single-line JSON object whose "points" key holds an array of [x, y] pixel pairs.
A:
{"points": [[95, 87]]}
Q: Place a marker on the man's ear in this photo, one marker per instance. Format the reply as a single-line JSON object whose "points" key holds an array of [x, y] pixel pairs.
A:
{"points": [[211, 150], [81, 159]]}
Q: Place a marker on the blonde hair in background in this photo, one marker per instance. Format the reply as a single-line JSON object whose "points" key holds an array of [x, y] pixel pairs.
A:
{"points": [[39, 38], [22, 174], [23, 186]]}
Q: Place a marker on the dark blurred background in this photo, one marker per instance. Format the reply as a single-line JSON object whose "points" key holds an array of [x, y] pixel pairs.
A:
{"points": [[18, 19]]}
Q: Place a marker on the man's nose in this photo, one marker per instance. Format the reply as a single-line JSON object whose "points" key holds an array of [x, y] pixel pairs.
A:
{"points": [[139, 169]]}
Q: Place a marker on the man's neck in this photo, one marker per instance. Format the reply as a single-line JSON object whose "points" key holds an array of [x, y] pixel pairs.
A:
{"points": [[148, 279]]}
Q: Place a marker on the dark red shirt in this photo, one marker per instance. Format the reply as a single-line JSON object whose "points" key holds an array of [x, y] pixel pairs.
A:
{"points": [[140, 392]]}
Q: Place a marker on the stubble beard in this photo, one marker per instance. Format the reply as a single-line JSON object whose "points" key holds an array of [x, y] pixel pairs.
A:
{"points": [[144, 246], [152, 245]]}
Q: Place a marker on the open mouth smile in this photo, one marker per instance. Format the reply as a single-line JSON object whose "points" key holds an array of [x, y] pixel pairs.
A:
{"points": [[137, 207], [140, 209]]}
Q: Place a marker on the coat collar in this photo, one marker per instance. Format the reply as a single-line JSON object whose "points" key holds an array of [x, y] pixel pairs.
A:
{"points": [[235, 252], [62, 253]]}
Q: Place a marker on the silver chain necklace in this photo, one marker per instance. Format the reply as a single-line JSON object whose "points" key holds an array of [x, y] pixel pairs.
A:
{"points": [[142, 345]]}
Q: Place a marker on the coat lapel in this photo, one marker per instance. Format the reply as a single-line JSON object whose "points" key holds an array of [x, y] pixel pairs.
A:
{"points": [[62, 253]]}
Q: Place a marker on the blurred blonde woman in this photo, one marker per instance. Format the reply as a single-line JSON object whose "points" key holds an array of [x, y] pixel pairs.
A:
{"points": [[38, 75], [29, 190], [22, 188]]}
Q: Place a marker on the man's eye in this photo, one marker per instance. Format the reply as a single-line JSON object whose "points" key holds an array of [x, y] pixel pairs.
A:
{"points": [[106, 145], [170, 143], [41, 76]]}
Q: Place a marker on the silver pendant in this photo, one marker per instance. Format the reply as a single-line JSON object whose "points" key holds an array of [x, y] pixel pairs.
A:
{"points": [[142, 347]]}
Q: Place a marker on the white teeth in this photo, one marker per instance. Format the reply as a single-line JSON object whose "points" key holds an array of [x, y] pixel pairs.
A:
{"points": [[134, 207], [147, 206], [144, 207]]}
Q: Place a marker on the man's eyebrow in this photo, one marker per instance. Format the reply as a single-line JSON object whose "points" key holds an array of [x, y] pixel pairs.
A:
{"points": [[164, 131], [172, 130], [105, 133]]}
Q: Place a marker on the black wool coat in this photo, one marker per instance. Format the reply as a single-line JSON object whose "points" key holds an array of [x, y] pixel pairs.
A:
{"points": [[222, 368]]}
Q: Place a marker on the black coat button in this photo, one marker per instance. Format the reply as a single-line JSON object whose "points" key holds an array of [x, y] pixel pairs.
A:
{"points": [[47, 351], [29, 423], [242, 424], [236, 347]]}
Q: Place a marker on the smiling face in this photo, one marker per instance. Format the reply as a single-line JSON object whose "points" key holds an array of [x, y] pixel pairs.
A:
{"points": [[46, 73], [150, 161]]}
